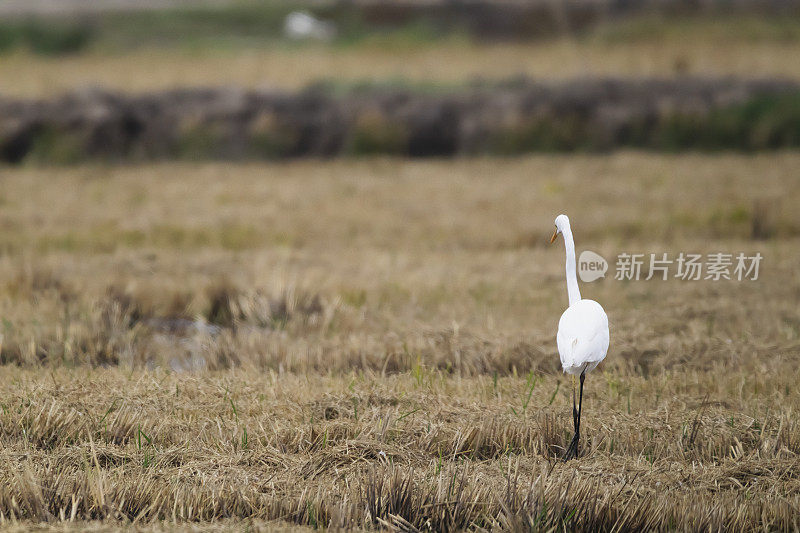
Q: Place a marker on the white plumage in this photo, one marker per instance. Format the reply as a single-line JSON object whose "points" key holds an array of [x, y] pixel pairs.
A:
{"points": [[582, 337], [583, 334], [583, 327]]}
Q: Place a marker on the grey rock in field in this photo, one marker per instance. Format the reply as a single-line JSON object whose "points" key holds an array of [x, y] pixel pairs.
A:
{"points": [[182, 327], [184, 343]]}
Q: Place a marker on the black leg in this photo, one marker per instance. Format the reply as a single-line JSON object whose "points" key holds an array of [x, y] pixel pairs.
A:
{"points": [[572, 450], [580, 411], [574, 410]]}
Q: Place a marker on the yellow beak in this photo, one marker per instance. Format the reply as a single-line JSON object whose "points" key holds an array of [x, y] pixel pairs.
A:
{"points": [[553, 238]]}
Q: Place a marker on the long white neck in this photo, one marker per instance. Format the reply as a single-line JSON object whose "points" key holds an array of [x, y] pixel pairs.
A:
{"points": [[573, 291]]}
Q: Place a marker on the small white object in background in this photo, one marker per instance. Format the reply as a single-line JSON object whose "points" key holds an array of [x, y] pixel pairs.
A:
{"points": [[301, 25]]}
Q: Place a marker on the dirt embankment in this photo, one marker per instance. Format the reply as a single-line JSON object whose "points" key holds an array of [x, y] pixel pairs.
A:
{"points": [[510, 118]]}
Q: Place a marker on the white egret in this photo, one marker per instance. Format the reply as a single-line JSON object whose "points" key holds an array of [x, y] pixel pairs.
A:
{"points": [[582, 331]]}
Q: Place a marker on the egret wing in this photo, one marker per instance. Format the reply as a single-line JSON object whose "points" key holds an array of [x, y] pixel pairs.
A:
{"points": [[582, 336]]}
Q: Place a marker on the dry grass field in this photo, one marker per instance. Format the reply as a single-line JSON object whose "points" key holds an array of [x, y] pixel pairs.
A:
{"points": [[371, 343], [697, 52]]}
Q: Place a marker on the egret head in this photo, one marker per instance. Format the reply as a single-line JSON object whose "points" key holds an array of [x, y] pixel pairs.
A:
{"points": [[562, 221]]}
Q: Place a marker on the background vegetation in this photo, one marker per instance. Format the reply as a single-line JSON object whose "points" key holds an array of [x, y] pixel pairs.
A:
{"points": [[170, 49]]}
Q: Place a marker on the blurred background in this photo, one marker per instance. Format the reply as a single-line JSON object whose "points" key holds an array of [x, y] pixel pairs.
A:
{"points": [[237, 79], [397, 160]]}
